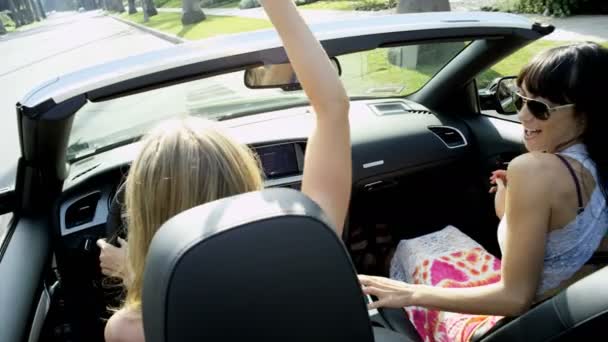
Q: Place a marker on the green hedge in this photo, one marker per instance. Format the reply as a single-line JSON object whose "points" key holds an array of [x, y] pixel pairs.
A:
{"points": [[6, 20], [375, 5], [556, 7]]}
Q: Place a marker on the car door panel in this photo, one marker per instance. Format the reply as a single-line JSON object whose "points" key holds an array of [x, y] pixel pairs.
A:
{"points": [[22, 267], [499, 140]]}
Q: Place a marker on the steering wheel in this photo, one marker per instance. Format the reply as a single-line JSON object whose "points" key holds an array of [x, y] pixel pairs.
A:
{"points": [[115, 225]]}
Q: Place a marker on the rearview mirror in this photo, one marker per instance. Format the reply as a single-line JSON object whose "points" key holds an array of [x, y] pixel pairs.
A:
{"points": [[498, 96], [277, 76]]}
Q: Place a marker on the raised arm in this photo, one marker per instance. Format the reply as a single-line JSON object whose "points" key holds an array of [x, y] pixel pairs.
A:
{"points": [[327, 166]]}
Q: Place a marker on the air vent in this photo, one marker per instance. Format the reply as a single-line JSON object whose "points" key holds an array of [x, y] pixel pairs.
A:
{"points": [[394, 108], [450, 136], [82, 211]]}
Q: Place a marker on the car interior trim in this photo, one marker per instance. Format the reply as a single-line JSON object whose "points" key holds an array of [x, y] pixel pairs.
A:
{"points": [[42, 309], [373, 164], [25, 258]]}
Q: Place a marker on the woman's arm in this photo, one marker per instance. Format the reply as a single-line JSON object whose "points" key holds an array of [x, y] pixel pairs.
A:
{"points": [[528, 212], [327, 167]]}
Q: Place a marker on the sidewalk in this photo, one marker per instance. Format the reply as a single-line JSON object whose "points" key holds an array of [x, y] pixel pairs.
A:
{"points": [[577, 28]]}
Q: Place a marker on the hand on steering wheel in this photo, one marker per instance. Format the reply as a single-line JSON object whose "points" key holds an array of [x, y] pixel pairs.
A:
{"points": [[113, 260]]}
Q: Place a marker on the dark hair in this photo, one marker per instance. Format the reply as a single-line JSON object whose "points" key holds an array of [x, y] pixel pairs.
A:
{"points": [[577, 74]]}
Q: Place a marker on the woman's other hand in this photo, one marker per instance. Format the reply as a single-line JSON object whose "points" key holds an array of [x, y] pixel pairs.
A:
{"points": [[112, 259], [390, 293]]}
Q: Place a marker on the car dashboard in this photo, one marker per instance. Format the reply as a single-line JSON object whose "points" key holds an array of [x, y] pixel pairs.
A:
{"points": [[389, 137]]}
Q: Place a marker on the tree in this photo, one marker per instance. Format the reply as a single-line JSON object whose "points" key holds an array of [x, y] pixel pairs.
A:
{"points": [[23, 12], [2, 29], [17, 16], [132, 7], [114, 5], [414, 6], [42, 10], [412, 57], [149, 8], [36, 10], [120, 7], [191, 12], [32, 10]]}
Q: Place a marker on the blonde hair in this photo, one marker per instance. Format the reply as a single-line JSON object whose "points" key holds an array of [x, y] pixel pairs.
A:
{"points": [[183, 163]]}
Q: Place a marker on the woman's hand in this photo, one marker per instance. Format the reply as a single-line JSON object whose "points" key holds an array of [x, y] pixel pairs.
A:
{"points": [[390, 293], [499, 180], [112, 259]]}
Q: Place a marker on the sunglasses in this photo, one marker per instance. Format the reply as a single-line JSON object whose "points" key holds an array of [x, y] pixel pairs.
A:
{"points": [[539, 109]]}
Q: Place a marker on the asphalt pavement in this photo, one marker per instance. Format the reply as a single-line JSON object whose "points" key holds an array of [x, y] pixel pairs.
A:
{"points": [[63, 43]]}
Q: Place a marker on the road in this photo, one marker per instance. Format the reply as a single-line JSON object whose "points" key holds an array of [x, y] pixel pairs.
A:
{"points": [[63, 43]]}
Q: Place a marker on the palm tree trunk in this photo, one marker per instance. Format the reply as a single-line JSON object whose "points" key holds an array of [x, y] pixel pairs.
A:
{"points": [[120, 7], [32, 8], [25, 10], [191, 12], [42, 9], [36, 9], [414, 6], [150, 8], [410, 56], [132, 8], [17, 18]]}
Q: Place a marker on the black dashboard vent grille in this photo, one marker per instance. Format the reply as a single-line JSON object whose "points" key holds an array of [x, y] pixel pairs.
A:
{"points": [[82, 211], [395, 108], [450, 136]]}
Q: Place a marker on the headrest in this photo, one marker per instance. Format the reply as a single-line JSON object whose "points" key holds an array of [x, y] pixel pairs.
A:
{"points": [[261, 266]]}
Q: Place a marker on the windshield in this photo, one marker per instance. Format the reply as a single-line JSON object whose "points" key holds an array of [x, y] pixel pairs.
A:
{"points": [[383, 72]]}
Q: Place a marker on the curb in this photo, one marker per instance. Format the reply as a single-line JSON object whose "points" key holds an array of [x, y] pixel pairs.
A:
{"points": [[162, 35]]}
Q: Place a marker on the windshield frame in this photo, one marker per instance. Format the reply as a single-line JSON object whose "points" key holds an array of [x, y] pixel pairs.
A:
{"points": [[89, 148]]}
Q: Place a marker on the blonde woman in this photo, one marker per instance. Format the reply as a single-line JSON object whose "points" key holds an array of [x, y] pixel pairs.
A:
{"points": [[187, 163]]}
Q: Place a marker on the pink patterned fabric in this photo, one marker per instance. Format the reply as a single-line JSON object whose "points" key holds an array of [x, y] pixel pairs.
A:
{"points": [[447, 258]]}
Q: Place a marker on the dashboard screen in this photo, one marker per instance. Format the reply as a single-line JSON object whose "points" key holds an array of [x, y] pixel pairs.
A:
{"points": [[279, 160]]}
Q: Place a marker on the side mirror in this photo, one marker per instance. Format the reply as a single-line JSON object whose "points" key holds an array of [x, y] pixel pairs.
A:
{"points": [[277, 76], [498, 96]]}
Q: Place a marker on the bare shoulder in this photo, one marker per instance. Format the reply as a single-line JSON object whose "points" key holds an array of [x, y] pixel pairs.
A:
{"points": [[536, 170], [535, 165], [124, 326]]}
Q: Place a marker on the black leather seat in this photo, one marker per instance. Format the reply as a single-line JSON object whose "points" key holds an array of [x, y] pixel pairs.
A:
{"points": [[578, 313], [263, 266]]}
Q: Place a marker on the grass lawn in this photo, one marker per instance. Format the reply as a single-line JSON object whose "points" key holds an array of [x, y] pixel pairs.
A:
{"points": [[178, 4], [212, 26], [22, 28], [332, 5], [371, 69], [511, 65], [229, 4]]}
